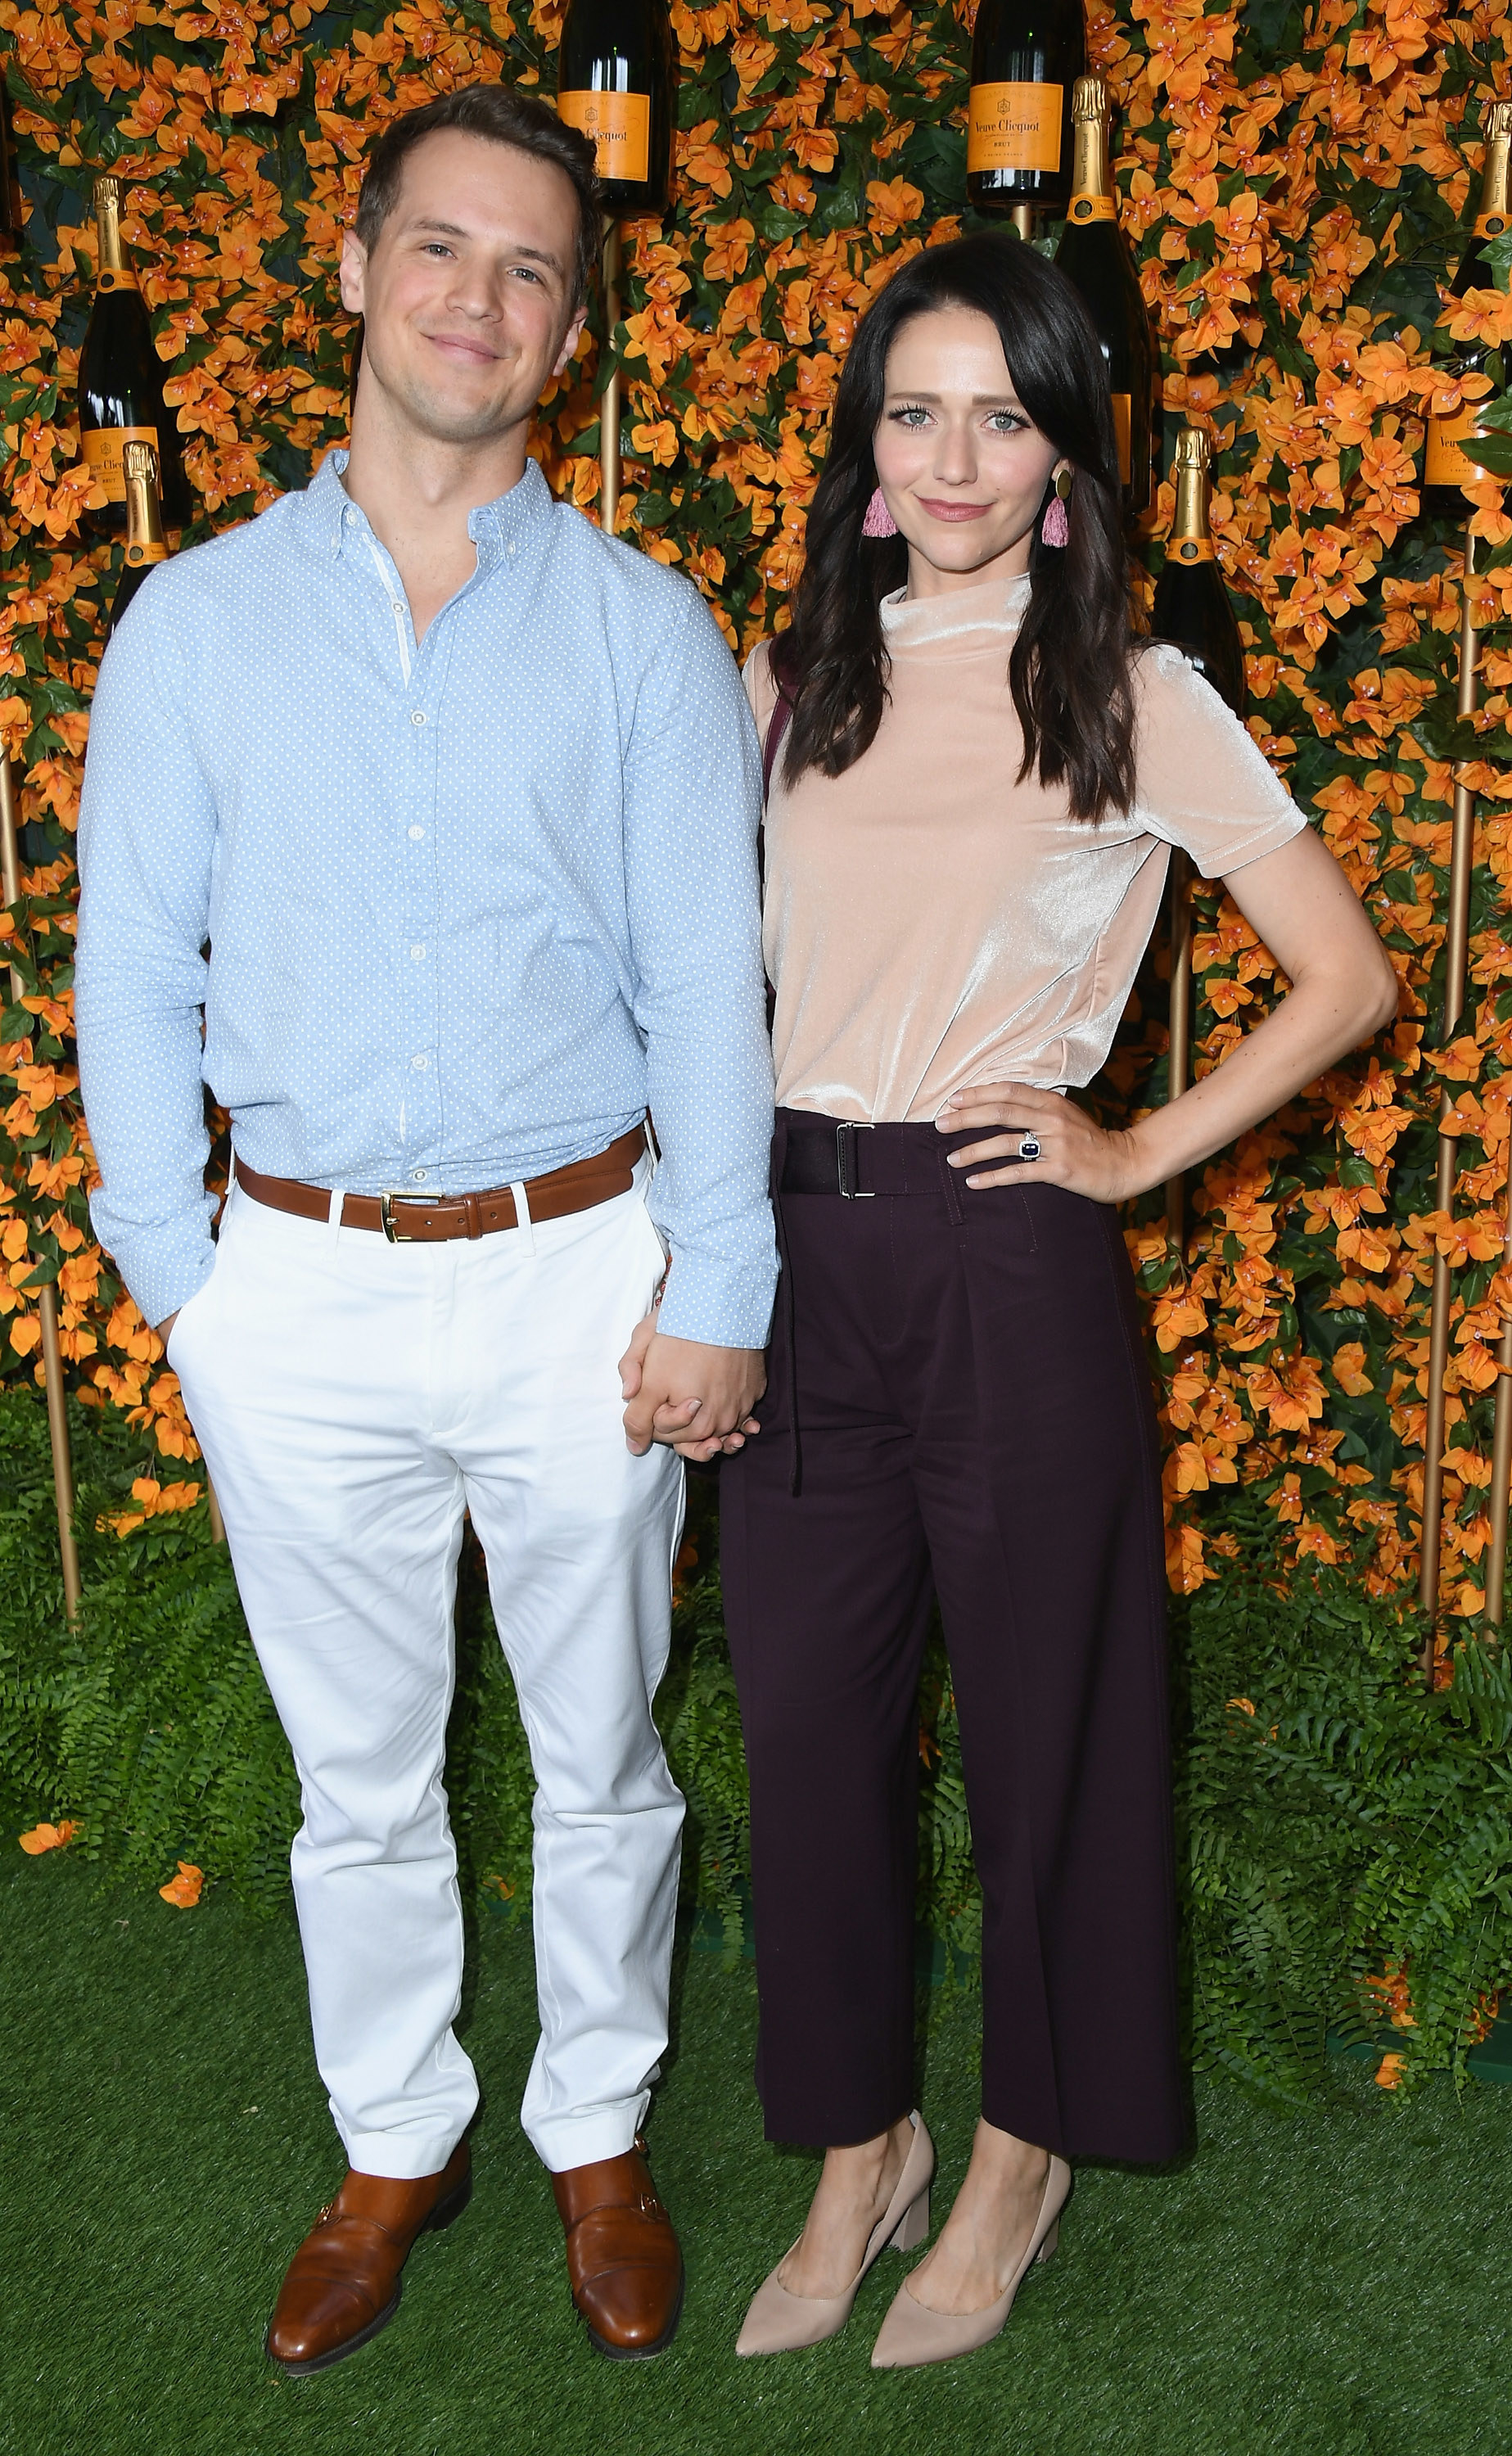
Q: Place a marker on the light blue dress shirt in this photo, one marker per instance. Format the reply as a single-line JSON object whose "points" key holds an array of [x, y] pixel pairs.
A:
{"points": [[457, 912]]}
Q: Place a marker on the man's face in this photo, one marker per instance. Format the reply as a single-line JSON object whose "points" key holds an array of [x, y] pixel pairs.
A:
{"points": [[464, 297]]}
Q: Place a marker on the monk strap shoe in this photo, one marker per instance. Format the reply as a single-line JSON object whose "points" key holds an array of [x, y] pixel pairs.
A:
{"points": [[623, 2261]]}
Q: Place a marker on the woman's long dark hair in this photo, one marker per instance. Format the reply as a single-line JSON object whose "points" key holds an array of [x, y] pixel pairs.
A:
{"points": [[1070, 667]]}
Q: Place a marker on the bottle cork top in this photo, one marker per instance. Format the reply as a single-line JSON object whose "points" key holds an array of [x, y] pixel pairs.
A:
{"points": [[1089, 99], [1193, 448], [1498, 122], [140, 461], [107, 191]]}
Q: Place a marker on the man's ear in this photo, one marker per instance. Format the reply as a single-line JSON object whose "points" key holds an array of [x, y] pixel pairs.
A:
{"points": [[354, 270], [569, 340]]}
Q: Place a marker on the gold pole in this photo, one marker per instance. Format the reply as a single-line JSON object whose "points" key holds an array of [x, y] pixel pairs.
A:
{"points": [[1022, 217], [609, 397], [1501, 1441], [1456, 937], [218, 1524], [47, 1298], [1178, 1063]]}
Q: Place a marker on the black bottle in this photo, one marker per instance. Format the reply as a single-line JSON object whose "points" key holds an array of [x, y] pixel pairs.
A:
{"points": [[617, 81]]}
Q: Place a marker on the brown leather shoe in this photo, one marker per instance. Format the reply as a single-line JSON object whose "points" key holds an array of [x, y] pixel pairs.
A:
{"points": [[623, 2257], [342, 2284]]}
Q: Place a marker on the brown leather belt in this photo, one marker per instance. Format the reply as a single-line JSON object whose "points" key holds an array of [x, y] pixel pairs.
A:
{"points": [[418, 1219]]}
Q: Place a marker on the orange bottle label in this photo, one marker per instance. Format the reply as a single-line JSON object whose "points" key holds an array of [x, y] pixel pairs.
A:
{"points": [[1122, 423], [1086, 208], [1492, 225], [117, 278], [1185, 550], [104, 451], [1443, 463], [1014, 128], [138, 557], [620, 125]]}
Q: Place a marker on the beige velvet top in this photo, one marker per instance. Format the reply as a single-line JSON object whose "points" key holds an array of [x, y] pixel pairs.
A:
{"points": [[931, 922]]}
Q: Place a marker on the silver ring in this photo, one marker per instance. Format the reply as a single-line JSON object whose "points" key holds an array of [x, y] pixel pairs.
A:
{"points": [[1029, 1147]]}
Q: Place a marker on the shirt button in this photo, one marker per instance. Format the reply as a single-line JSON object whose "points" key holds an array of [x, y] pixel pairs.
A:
{"points": [[417, 716], [419, 1064], [415, 834], [417, 954], [416, 1177]]}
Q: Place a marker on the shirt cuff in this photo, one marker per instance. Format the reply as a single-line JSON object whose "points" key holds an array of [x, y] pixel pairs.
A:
{"points": [[162, 1265], [717, 1302]]}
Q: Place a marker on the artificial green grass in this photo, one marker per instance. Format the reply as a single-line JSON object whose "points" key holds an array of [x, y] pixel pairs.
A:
{"points": [[1330, 2282]]}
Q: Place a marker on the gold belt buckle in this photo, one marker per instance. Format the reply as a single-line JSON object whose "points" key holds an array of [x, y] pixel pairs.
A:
{"points": [[386, 1203]]}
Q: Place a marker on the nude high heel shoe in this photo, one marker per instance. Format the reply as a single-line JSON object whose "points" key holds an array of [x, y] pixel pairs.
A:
{"points": [[780, 2323], [912, 2335]]}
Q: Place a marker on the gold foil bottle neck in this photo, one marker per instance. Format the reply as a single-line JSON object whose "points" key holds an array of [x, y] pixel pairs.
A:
{"points": [[1192, 463], [144, 515], [1089, 147], [1495, 202], [108, 223]]}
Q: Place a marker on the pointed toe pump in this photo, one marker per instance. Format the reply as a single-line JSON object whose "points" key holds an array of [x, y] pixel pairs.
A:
{"points": [[912, 2335], [780, 2323]]}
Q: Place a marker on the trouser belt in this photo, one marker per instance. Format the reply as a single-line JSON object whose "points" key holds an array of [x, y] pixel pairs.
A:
{"points": [[434, 1219], [830, 1156]]}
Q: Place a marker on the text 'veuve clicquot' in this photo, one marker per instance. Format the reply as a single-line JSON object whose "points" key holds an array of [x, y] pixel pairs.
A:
{"points": [[617, 81], [1026, 56]]}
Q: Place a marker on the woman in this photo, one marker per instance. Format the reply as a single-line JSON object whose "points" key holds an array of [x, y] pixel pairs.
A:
{"points": [[977, 775]]}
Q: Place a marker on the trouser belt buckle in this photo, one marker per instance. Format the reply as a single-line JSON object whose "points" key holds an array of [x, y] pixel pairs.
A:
{"points": [[395, 1235], [847, 1174]]}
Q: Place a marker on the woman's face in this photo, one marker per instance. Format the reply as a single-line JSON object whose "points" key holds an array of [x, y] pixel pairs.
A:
{"points": [[962, 465]]}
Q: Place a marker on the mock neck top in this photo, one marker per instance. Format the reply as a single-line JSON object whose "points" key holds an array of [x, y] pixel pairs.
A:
{"points": [[933, 921]]}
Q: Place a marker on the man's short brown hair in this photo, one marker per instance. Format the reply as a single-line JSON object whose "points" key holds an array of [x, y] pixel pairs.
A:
{"points": [[506, 117]]}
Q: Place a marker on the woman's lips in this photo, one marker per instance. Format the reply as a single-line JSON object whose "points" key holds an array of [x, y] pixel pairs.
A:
{"points": [[946, 511]]}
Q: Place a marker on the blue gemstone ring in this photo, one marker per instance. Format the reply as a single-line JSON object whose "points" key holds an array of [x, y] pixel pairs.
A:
{"points": [[1029, 1148]]}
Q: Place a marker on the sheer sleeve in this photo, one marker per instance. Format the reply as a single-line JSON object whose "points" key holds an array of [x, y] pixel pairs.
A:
{"points": [[759, 689], [1203, 783]]}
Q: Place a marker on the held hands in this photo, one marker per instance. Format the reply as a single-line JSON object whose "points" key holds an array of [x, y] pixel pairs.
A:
{"points": [[1073, 1151], [696, 1399]]}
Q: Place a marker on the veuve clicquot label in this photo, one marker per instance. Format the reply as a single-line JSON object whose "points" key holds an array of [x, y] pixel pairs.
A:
{"points": [[1014, 128], [1091, 209], [105, 453], [1444, 465], [1191, 549], [619, 128]]}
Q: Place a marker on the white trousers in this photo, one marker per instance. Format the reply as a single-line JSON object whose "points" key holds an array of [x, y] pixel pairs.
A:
{"points": [[353, 1399]]}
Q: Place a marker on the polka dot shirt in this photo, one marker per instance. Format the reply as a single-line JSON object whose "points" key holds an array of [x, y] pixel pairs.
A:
{"points": [[455, 911]]}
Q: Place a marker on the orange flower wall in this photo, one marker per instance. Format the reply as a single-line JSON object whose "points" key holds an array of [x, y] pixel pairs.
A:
{"points": [[1294, 180]]}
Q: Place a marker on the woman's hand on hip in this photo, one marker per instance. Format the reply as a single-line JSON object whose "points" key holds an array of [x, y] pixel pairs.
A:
{"points": [[1073, 1150]]}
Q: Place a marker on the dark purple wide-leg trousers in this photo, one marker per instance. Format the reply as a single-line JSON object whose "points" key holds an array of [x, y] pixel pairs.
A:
{"points": [[974, 1421]]}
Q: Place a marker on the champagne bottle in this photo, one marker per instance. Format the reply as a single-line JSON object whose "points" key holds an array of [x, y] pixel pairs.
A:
{"points": [[145, 544], [121, 380], [617, 81], [1192, 608], [1093, 253], [1444, 465], [1026, 56]]}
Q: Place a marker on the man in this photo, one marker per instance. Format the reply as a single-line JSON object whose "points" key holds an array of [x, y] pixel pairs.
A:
{"points": [[441, 806]]}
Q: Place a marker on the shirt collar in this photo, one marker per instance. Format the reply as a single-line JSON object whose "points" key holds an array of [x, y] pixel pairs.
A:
{"points": [[497, 529]]}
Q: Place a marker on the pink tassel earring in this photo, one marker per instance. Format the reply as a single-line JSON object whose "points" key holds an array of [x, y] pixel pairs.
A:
{"points": [[1055, 527], [879, 521]]}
